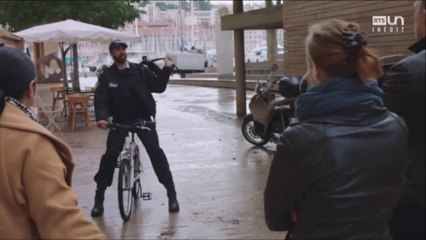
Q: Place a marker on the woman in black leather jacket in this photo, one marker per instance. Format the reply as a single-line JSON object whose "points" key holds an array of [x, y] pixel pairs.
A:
{"points": [[339, 170]]}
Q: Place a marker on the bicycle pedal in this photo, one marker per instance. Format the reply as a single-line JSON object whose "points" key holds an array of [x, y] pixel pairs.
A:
{"points": [[146, 196]]}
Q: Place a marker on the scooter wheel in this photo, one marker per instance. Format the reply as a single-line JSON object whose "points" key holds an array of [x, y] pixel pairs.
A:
{"points": [[249, 132]]}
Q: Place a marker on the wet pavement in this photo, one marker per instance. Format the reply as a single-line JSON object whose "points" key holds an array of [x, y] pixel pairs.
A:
{"points": [[219, 177]]}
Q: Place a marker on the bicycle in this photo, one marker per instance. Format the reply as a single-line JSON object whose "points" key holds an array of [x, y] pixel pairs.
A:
{"points": [[130, 170]]}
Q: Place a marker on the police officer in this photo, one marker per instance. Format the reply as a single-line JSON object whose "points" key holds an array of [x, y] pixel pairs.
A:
{"points": [[124, 93]]}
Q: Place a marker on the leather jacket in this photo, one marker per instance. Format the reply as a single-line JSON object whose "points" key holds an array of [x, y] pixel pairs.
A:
{"points": [[404, 94], [341, 174]]}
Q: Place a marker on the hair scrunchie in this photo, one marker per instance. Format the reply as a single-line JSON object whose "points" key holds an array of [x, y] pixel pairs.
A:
{"points": [[354, 40]]}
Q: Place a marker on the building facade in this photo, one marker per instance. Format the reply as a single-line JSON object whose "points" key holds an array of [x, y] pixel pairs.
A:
{"points": [[176, 28]]}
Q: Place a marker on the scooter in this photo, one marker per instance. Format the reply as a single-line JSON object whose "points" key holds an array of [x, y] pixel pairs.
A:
{"points": [[269, 114]]}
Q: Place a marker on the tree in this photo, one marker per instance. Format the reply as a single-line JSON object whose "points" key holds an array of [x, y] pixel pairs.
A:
{"points": [[19, 15]]}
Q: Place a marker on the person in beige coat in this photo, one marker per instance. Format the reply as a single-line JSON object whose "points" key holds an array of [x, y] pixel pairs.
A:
{"points": [[36, 198]]}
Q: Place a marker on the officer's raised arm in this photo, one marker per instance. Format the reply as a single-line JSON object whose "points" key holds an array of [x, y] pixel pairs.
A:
{"points": [[157, 80]]}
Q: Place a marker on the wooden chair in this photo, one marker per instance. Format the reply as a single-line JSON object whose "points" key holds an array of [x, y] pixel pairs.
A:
{"points": [[78, 104], [58, 94]]}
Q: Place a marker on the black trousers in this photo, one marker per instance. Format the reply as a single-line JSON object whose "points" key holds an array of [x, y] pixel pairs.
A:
{"points": [[408, 222], [115, 143]]}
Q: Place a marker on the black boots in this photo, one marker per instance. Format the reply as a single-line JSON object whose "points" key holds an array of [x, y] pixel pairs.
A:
{"points": [[98, 209], [173, 202], [173, 205]]}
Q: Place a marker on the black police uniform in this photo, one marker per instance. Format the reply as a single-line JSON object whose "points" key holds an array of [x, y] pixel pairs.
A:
{"points": [[126, 96]]}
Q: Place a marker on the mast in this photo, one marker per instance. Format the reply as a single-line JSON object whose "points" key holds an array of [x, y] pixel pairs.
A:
{"points": [[192, 23], [181, 26]]}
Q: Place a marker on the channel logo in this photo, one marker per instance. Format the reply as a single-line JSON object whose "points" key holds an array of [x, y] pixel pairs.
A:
{"points": [[387, 24]]}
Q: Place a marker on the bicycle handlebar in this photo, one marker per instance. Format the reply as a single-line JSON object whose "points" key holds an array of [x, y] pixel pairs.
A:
{"points": [[144, 125]]}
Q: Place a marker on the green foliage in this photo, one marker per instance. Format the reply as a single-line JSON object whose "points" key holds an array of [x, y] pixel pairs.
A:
{"points": [[19, 15], [101, 70]]}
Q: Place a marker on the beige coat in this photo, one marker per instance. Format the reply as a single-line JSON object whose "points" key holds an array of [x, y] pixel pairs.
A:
{"points": [[36, 198]]}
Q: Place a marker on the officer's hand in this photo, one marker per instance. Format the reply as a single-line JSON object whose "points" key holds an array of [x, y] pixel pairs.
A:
{"points": [[102, 124], [168, 62]]}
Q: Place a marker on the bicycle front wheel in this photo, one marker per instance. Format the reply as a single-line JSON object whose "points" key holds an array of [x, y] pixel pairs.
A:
{"points": [[125, 185]]}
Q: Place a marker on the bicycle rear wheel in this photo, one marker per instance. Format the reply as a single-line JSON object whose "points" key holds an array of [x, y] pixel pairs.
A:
{"points": [[125, 199]]}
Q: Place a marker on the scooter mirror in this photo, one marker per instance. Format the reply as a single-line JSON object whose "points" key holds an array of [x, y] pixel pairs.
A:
{"points": [[289, 86]]}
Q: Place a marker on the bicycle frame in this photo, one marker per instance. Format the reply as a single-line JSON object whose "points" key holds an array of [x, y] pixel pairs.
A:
{"points": [[129, 164], [130, 147], [128, 153]]}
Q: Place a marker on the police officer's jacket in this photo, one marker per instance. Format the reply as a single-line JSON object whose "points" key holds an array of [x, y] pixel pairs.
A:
{"points": [[126, 95]]}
